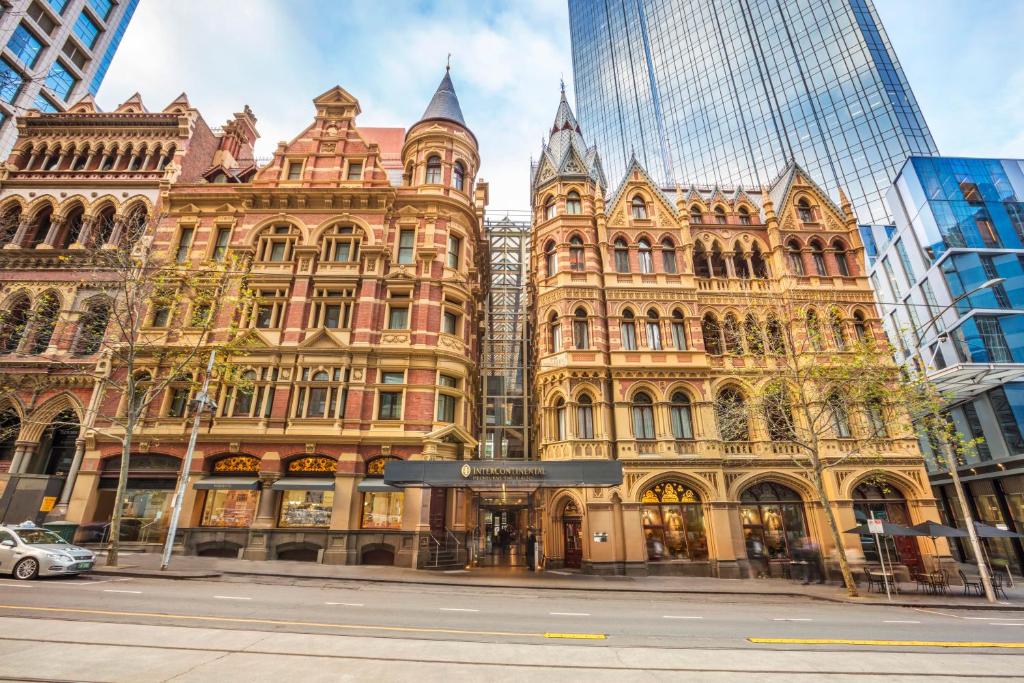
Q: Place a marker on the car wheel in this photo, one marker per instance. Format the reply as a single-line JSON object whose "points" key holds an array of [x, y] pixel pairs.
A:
{"points": [[27, 569]]}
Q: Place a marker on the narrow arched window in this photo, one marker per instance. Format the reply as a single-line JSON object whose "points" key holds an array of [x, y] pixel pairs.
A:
{"points": [[678, 331], [682, 421], [643, 248], [555, 333], [744, 215], [560, 420], [576, 254], [549, 208], [668, 256], [585, 418], [778, 414], [818, 255], [243, 395], [628, 331], [840, 415], [835, 323], [92, 327], [740, 265], [550, 258], [44, 320], [433, 174], [720, 215], [621, 256], [643, 416], [695, 215], [718, 268], [860, 327], [731, 332], [776, 340], [803, 210], [638, 207], [653, 330], [14, 324], [842, 261], [580, 330], [796, 261], [701, 262], [758, 263], [459, 176], [573, 205], [876, 418], [712, 333], [813, 330], [753, 336], [731, 416]]}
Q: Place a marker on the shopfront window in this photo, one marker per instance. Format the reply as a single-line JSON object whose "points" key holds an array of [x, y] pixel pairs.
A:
{"points": [[673, 520], [230, 508], [306, 508], [146, 503], [1000, 551], [381, 510], [773, 521]]}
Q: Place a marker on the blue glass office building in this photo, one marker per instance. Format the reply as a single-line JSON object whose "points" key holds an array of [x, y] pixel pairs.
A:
{"points": [[726, 91], [958, 224]]}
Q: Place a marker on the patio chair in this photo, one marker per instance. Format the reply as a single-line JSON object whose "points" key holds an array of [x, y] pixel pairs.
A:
{"points": [[998, 586], [875, 581], [969, 585], [924, 581], [940, 582]]}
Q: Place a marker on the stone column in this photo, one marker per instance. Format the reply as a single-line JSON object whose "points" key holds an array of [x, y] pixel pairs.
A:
{"points": [[19, 235], [56, 226], [76, 464], [19, 456], [265, 512], [85, 234]]}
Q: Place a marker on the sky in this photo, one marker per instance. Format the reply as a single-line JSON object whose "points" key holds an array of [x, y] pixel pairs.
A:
{"points": [[508, 58]]}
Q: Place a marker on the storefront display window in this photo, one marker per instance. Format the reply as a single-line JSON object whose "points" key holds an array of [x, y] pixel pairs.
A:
{"points": [[230, 508], [1000, 550], [673, 522], [383, 510], [773, 521], [306, 508]]}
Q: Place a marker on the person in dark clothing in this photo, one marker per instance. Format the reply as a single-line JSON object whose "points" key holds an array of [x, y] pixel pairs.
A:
{"points": [[531, 547], [812, 557]]}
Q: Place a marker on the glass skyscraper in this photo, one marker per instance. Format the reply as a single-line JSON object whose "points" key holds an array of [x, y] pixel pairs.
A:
{"points": [[727, 91]]}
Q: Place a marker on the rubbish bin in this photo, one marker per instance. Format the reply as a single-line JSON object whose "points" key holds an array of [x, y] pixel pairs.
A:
{"points": [[65, 530]]}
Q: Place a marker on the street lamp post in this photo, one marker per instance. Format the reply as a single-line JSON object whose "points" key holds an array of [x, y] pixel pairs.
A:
{"points": [[949, 456]]}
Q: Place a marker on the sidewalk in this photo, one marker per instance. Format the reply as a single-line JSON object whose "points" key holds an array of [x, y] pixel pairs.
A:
{"points": [[189, 567]]}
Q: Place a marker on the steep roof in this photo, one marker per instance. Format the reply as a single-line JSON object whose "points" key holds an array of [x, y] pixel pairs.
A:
{"points": [[566, 153], [779, 190], [444, 104]]}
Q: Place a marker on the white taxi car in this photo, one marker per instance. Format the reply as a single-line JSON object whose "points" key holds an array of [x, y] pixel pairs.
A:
{"points": [[28, 551]]}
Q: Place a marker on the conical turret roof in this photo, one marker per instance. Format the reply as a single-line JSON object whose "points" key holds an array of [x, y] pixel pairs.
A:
{"points": [[445, 103], [566, 154]]}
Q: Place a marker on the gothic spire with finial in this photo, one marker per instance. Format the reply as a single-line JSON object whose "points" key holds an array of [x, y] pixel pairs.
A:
{"points": [[444, 105]]}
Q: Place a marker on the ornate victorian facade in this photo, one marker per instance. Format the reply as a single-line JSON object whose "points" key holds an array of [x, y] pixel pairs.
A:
{"points": [[649, 306]]}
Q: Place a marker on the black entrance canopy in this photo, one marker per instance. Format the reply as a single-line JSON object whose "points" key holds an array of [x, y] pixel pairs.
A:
{"points": [[496, 473]]}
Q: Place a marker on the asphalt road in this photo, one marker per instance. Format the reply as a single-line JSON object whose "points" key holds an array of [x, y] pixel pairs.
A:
{"points": [[96, 628]]}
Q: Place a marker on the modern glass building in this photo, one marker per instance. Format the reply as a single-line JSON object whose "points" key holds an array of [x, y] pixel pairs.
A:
{"points": [[959, 224], [727, 91], [55, 53]]}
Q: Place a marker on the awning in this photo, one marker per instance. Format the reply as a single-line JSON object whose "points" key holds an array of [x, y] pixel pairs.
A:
{"points": [[233, 483], [497, 475], [304, 484], [375, 485]]}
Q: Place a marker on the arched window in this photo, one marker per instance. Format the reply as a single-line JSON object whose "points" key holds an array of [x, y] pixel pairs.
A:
{"points": [[695, 215], [773, 522], [813, 330], [731, 332], [555, 333], [796, 261], [860, 327], [573, 205], [585, 417], [776, 340], [638, 207], [818, 256], [840, 415], [744, 215], [560, 420], [644, 256], [731, 416], [459, 175], [752, 333], [778, 414], [803, 210], [842, 262], [243, 394], [643, 416], [668, 255], [653, 330], [712, 333], [39, 226], [678, 330], [628, 330], [44, 319], [757, 262], [433, 173], [576, 258], [682, 422], [92, 327], [835, 323], [621, 256], [550, 258], [580, 330], [739, 262], [876, 418], [318, 394], [549, 208], [720, 215], [701, 263], [881, 500], [717, 261], [673, 522], [72, 228], [14, 324], [9, 224], [103, 226]]}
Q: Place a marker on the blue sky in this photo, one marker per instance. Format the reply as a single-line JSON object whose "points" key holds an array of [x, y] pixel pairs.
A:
{"points": [[962, 57]]}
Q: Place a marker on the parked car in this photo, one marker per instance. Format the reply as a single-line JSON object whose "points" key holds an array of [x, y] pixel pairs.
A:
{"points": [[28, 551]]}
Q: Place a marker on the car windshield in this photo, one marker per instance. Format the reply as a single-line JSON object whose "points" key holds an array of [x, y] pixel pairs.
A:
{"points": [[39, 537]]}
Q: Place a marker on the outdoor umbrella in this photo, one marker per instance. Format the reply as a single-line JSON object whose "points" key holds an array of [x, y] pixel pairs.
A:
{"points": [[986, 531], [935, 530], [888, 529]]}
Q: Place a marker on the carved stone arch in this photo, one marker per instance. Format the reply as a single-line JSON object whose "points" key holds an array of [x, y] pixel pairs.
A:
{"points": [[740, 384], [629, 306], [40, 204], [15, 295], [561, 498], [705, 489], [256, 230], [726, 209], [620, 235], [586, 388], [587, 306], [699, 203], [691, 390], [669, 235], [65, 208], [101, 204], [646, 386], [317, 233], [554, 394], [32, 429], [13, 403], [51, 291], [793, 239], [738, 485], [10, 202], [910, 489], [133, 203]]}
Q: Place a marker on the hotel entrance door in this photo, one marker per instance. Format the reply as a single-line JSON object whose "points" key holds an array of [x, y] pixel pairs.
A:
{"points": [[503, 528]]}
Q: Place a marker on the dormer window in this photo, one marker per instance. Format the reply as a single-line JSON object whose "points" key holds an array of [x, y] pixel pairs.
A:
{"points": [[639, 208], [573, 206], [459, 176], [549, 208], [803, 211], [355, 170], [720, 216], [294, 170], [695, 215], [433, 174], [744, 216]]}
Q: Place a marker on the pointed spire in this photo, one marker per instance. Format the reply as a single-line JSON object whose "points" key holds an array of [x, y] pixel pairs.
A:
{"points": [[445, 104]]}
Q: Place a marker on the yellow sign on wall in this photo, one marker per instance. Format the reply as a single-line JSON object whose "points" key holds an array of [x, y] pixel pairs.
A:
{"points": [[48, 503]]}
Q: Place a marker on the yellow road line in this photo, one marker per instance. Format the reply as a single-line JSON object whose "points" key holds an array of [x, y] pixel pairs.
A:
{"points": [[901, 643], [281, 622]]}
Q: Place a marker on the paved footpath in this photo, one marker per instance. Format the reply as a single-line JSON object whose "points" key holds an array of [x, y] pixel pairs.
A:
{"points": [[190, 567]]}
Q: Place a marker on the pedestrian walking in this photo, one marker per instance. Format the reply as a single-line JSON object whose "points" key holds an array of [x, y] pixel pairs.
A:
{"points": [[531, 549]]}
